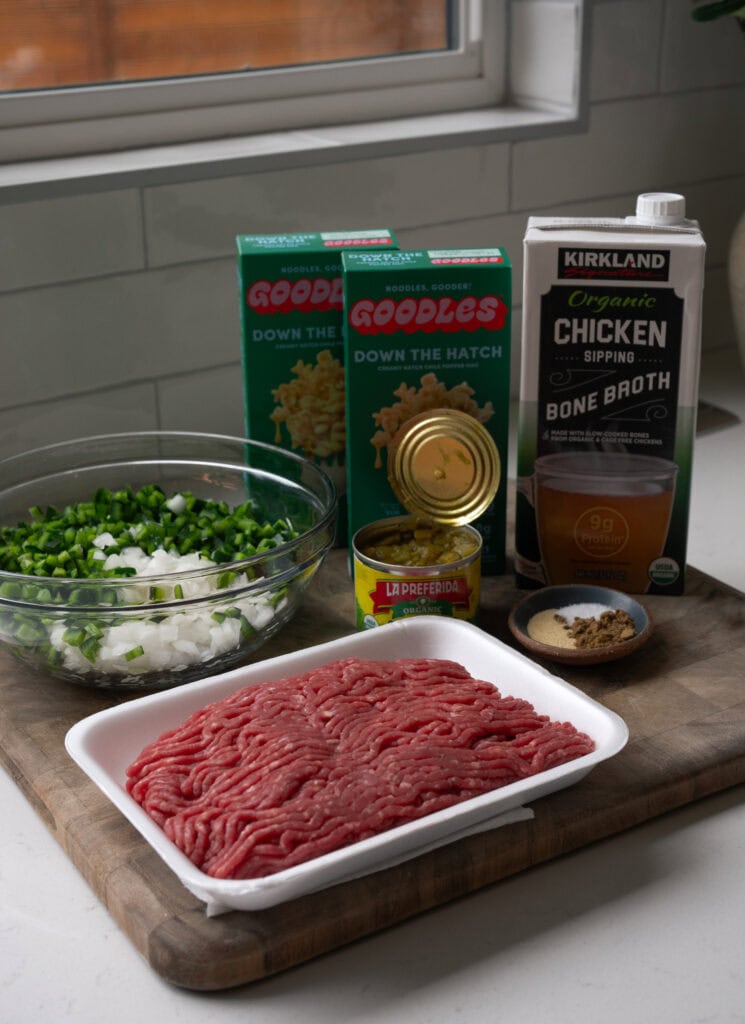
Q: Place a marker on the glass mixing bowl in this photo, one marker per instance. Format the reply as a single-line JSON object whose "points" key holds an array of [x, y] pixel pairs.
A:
{"points": [[157, 631]]}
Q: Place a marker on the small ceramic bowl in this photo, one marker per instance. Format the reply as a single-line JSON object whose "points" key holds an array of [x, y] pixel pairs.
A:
{"points": [[559, 597]]}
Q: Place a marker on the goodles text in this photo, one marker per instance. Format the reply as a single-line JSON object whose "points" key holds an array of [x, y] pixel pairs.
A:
{"points": [[470, 313], [317, 294]]}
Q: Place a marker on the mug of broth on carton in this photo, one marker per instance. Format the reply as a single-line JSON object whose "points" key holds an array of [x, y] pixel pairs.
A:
{"points": [[608, 396], [602, 516]]}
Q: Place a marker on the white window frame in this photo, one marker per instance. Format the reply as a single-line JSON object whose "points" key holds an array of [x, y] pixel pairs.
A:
{"points": [[67, 122]]}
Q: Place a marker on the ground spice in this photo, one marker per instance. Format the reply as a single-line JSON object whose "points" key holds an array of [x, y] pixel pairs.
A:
{"points": [[608, 626], [613, 627]]}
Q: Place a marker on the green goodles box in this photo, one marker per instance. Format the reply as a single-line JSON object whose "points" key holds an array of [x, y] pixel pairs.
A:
{"points": [[424, 329], [291, 301]]}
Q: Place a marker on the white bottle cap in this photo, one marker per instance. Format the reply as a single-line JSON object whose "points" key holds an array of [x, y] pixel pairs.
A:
{"points": [[660, 208]]}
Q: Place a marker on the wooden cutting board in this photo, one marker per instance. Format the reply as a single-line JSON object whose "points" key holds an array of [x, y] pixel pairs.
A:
{"points": [[682, 695]]}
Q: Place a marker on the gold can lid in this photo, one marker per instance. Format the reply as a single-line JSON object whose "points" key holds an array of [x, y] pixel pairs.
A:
{"points": [[443, 465]]}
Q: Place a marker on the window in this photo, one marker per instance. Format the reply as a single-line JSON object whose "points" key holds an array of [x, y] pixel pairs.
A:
{"points": [[58, 43], [83, 76]]}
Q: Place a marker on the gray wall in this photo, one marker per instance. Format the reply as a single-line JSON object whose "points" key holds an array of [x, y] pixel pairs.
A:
{"points": [[119, 309]]}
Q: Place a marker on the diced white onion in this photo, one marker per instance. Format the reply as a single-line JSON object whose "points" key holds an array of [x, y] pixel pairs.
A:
{"points": [[171, 644]]}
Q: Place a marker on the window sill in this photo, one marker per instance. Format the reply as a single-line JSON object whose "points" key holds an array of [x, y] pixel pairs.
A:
{"points": [[38, 179]]}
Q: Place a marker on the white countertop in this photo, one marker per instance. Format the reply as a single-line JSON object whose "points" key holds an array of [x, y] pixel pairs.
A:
{"points": [[644, 927]]}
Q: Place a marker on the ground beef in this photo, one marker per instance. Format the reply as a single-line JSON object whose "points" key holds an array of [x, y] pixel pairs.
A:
{"points": [[282, 772]]}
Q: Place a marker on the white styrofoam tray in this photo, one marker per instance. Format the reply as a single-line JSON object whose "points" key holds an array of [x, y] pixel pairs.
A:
{"points": [[106, 743]]}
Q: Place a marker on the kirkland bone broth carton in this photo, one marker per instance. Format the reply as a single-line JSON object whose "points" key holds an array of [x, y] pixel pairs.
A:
{"points": [[608, 398], [291, 299], [424, 329]]}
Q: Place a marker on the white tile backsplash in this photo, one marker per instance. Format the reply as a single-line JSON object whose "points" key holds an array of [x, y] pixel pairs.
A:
{"points": [[699, 55], [51, 240], [621, 28], [655, 143], [210, 401], [102, 412], [119, 308], [122, 329], [200, 219]]}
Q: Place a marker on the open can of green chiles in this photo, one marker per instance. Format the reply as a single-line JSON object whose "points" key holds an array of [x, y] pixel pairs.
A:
{"points": [[444, 468]]}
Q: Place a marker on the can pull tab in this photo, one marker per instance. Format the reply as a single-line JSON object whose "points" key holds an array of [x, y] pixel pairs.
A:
{"points": [[660, 208]]}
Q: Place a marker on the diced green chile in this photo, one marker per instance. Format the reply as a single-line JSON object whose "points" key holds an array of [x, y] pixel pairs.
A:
{"points": [[61, 543]]}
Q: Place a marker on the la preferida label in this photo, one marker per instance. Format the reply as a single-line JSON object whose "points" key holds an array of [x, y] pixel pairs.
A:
{"points": [[291, 301], [424, 329], [608, 398], [386, 597]]}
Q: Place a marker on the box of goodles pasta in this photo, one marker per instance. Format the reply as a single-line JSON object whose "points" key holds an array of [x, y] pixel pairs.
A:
{"points": [[424, 329], [292, 342]]}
